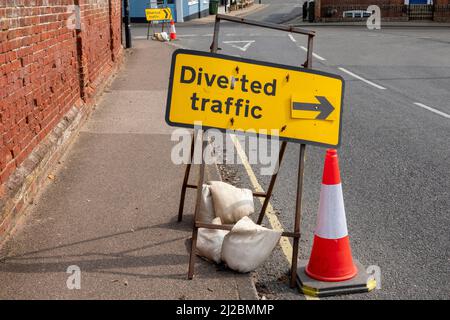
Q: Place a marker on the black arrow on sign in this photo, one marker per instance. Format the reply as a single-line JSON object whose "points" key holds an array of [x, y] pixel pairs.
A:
{"points": [[166, 14], [324, 106]]}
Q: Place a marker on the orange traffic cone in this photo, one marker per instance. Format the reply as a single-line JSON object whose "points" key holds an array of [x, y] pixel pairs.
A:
{"points": [[173, 32], [331, 257]]}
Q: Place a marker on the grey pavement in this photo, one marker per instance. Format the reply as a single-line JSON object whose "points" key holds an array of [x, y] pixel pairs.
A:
{"points": [[394, 156], [111, 207]]}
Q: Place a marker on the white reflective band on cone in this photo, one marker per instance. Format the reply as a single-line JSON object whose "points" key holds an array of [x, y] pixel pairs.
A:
{"points": [[331, 222]]}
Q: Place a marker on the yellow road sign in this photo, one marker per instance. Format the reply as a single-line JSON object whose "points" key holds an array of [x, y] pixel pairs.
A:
{"points": [[226, 92], [158, 14]]}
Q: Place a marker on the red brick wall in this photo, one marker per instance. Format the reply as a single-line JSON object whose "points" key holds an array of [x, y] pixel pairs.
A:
{"points": [[96, 46], [361, 2], [442, 10], [390, 9], [393, 10], [377, 2], [47, 67]]}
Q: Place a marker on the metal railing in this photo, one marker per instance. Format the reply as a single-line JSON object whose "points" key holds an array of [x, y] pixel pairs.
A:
{"points": [[420, 11], [337, 11]]}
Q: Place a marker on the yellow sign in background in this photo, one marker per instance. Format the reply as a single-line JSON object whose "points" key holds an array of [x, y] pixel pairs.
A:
{"points": [[154, 14], [227, 92]]}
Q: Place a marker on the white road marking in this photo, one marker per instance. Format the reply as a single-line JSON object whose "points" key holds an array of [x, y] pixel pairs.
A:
{"points": [[443, 114], [292, 37], [139, 37], [362, 79], [244, 48], [285, 244], [315, 55]]}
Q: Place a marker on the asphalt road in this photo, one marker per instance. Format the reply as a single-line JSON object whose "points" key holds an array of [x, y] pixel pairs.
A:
{"points": [[395, 152]]}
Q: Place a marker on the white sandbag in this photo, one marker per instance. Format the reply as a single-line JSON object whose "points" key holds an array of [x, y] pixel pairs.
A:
{"points": [[248, 245], [165, 36], [209, 242], [161, 36], [231, 203], [206, 211]]}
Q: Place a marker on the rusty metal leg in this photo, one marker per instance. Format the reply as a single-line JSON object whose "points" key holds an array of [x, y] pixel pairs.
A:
{"points": [[215, 43], [271, 184], [197, 209], [148, 30], [298, 214], [301, 169], [186, 180]]}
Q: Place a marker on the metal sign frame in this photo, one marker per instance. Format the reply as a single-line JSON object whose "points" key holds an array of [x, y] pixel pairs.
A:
{"points": [[301, 164]]}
